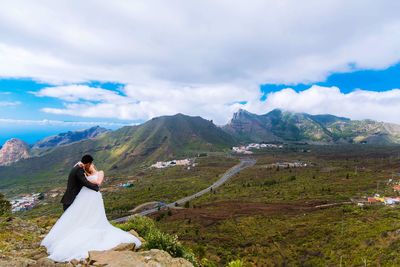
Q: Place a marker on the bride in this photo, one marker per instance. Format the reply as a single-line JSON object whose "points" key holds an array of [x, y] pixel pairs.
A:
{"points": [[84, 226]]}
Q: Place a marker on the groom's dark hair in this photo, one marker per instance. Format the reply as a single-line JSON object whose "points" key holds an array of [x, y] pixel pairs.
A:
{"points": [[87, 159]]}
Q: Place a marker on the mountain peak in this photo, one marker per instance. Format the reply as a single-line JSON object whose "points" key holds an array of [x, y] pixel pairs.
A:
{"points": [[13, 150], [241, 110], [242, 113], [275, 112], [14, 141]]}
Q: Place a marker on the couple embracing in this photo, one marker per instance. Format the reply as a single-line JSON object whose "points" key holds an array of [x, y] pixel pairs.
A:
{"points": [[83, 226]]}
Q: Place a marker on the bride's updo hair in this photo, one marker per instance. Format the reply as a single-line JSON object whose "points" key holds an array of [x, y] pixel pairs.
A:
{"points": [[87, 159]]}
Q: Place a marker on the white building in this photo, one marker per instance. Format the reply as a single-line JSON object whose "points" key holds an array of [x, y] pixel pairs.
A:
{"points": [[165, 164], [246, 149]]}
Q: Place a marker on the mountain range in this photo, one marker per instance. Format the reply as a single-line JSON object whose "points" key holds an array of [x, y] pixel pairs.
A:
{"points": [[14, 149], [69, 138], [179, 135], [124, 149], [285, 126]]}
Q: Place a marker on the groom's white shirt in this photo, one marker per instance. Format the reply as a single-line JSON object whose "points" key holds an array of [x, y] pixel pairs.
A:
{"points": [[77, 164]]}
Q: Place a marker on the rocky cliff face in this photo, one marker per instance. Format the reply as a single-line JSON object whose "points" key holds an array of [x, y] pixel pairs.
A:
{"points": [[279, 125], [69, 138], [12, 151], [250, 127]]}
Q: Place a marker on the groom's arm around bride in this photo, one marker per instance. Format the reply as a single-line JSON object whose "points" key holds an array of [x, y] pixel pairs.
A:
{"points": [[76, 180]]}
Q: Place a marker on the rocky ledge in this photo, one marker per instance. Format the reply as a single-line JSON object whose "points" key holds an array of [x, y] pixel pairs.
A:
{"points": [[109, 258], [123, 255], [153, 257]]}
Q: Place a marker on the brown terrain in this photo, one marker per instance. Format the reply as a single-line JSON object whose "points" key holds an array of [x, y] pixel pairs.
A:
{"points": [[211, 213]]}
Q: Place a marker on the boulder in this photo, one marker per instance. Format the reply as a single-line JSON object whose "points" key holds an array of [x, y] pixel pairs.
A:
{"points": [[133, 232], [74, 262], [39, 255], [45, 262], [124, 246], [151, 258], [64, 264], [20, 262]]}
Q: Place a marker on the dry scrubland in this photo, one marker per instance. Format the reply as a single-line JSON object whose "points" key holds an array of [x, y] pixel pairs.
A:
{"points": [[270, 216]]}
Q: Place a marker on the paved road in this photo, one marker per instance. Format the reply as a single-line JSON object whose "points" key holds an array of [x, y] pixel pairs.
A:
{"points": [[244, 163]]}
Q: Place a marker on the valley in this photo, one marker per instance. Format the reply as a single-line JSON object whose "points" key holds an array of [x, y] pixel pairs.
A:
{"points": [[275, 217], [272, 216], [292, 204]]}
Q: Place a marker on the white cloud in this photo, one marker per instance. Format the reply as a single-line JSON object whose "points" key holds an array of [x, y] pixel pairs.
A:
{"points": [[80, 92], [141, 102], [359, 104], [58, 122], [196, 42], [9, 103], [199, 57]]}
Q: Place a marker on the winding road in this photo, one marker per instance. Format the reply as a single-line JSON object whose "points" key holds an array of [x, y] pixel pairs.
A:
{"points": [[244, 163]]}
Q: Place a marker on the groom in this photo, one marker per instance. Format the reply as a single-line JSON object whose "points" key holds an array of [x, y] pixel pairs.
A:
{"points": [[76, 180]]}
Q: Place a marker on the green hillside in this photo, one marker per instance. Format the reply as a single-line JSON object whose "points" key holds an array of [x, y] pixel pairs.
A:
{"points": [[284, 126], [121, 151]]}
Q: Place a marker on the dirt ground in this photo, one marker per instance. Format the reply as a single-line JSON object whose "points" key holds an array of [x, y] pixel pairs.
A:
{"points": [[211, 213]]}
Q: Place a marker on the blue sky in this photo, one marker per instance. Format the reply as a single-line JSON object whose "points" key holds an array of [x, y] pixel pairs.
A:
{"points": [[23, 118], [372, 80], [124, 62]]}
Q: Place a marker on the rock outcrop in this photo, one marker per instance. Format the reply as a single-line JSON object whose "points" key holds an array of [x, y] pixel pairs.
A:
{"points": [[123, 255], [285, 126], [125, 258], [20, 246], [12, 151]]}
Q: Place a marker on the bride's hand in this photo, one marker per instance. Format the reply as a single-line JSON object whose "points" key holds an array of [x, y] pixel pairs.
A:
{"points": [[100, 177]]}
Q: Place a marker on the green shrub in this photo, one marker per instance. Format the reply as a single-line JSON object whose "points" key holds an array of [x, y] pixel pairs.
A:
{"points": [[141, 224], [206, 263], [235, 263], [155, 239], [159, 240], [270, 182], [5, 206]]}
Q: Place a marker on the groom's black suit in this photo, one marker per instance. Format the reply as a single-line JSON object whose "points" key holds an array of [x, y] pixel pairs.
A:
{"points": [[76, 180]]}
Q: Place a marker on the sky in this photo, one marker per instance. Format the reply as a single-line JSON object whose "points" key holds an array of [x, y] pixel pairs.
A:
{"points": [[68, 65]]}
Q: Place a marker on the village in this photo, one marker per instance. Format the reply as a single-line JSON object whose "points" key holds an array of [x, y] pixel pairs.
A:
{"points": [[181, 162], [247, 149], [377, 199], [287, 165], [25, 202]]}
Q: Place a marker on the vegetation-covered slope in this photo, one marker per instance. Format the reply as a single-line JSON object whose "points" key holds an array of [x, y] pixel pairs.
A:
{"points": [[120, 151], [279, 125], [68, 138]]}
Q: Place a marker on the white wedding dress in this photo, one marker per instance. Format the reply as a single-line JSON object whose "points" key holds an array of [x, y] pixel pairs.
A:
{"points": [[84, 227]]}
